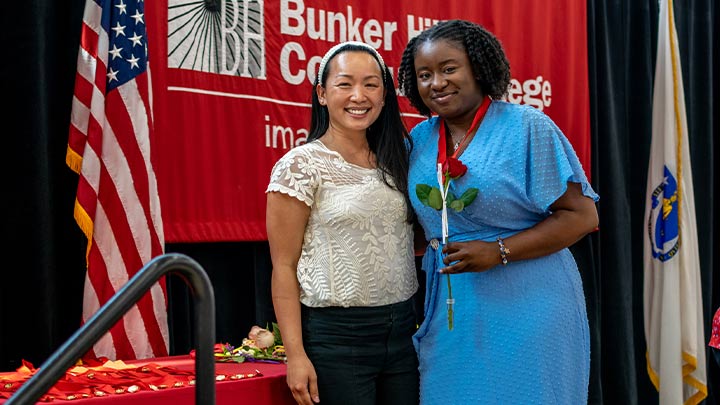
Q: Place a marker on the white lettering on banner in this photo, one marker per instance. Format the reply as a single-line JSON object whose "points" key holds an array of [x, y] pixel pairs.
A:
{"points": [[309, 71], [372, 33], [319, 32], [322, 24], [528, 91], [287, 135], [423, 23], [291, 47], [289, 15]]}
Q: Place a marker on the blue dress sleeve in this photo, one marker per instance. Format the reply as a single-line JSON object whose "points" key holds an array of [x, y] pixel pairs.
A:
{"points": [[552, 162]]}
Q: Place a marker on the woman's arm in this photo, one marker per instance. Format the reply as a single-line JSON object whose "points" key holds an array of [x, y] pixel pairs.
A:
{"points": [[573, 216], [286, 219]]}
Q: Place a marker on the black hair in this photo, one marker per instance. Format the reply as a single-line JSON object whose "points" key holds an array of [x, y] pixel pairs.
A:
{"points": [[487, 58], [387, 137]]}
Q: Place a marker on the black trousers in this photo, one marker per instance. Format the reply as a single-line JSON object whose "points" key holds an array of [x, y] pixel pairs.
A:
{"points": [[363, 355]]}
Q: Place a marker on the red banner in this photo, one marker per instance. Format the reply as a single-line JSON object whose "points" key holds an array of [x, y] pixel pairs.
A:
{"points": [[232, 82]]}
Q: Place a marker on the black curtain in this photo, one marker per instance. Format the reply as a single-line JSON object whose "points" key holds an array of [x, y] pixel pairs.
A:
{"points": [[41, 286], [622, 42]]}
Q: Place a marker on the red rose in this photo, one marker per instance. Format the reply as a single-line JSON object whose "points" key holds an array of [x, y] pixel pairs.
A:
{"points": [[454, 168]]}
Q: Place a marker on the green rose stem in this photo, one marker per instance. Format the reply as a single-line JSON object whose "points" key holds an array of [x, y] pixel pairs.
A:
{"points": [[450, 301], [440, 199]]}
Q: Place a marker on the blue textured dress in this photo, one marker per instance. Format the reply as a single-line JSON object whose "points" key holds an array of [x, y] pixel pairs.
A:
{"points": [[520, 331]]}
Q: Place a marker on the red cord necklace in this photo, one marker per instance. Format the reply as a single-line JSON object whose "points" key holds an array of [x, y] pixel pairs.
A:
{"points": [[442, 149]]}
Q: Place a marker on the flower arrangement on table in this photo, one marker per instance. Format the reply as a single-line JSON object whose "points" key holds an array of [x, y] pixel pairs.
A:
{"points": [[441, 198], [261, 345]]}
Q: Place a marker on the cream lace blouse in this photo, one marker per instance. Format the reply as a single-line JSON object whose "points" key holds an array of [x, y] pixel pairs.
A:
{"points": [[357, 249]]}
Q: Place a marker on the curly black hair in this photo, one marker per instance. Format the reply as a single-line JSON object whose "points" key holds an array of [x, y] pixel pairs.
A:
{"points": [[487, 57]]}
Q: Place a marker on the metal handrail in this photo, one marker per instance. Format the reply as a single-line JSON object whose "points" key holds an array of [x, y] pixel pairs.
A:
{"points": [[79, 343]]}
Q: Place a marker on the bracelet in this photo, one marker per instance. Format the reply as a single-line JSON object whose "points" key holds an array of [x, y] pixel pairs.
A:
{"points": [[504, 252]]}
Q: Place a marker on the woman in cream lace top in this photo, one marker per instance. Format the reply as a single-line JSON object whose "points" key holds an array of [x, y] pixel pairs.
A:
{"points": [[341, 241]]}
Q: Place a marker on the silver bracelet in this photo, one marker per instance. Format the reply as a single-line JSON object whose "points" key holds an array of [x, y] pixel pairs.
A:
{"points": [[504, 252]]}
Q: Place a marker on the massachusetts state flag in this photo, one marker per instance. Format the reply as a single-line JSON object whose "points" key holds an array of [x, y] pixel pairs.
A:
{"points": [[117, 204], [672, 291]]}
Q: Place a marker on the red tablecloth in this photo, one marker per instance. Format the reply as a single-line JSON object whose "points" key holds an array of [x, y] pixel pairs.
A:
{"points": [[268, 389]]}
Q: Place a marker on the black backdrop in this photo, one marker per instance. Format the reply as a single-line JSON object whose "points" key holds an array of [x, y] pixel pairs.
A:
{"points": [[42, 275]]}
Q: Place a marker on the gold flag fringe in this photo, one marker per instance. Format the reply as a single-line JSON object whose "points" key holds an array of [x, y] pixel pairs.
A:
{"points": [[73, 160]]}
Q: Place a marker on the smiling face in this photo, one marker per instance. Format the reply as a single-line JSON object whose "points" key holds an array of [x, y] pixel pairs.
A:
{"points": [[445, 80], [353, 92]]}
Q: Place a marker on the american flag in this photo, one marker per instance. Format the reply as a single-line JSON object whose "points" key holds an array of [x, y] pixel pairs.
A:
{"points": [[117, 204]]}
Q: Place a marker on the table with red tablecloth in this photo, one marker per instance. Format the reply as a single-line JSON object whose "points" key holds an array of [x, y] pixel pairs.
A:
{"points": [[252, 383]]}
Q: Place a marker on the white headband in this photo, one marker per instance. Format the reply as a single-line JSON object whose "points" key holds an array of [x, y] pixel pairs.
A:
{"points": [[337, 48]]}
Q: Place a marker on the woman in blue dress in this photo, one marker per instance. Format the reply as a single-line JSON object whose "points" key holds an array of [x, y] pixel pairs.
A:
{"points": [[518, 330]]}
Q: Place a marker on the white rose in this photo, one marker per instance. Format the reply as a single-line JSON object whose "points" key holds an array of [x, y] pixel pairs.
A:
{"points": [[264, 339], [254, 332]]}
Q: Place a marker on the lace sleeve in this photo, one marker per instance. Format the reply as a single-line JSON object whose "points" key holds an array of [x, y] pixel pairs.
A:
{"points": [[295, 175]]}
